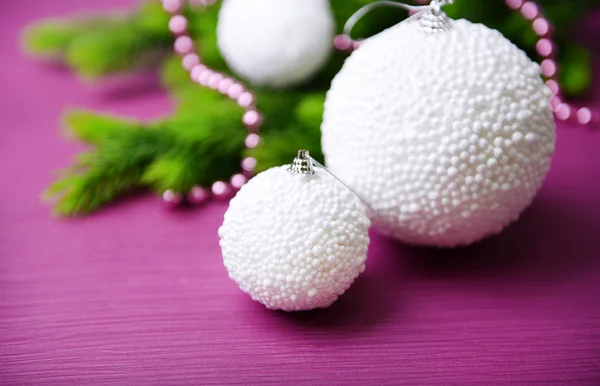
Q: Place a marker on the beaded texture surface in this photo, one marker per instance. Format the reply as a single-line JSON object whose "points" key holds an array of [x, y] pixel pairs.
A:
{"points": [[448, 136], [294, 242], [275, 43]]}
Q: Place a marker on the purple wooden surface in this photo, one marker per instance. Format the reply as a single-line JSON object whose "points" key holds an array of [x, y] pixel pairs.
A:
{"points": [[138, 295]]}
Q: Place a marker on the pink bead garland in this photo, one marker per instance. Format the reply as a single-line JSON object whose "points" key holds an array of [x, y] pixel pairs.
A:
{"points": [[231, 88], [545, 47]]}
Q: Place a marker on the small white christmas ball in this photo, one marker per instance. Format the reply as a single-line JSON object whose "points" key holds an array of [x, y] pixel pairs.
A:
{"points": [[275, 43], [448, 135], [294, 242]]}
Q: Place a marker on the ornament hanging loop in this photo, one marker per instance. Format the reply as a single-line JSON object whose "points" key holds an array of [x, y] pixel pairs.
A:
{"points": [[434, 9], [304, 164]]}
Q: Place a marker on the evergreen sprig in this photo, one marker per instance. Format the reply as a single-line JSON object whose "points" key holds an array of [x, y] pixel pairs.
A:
{"points": [[104, 44], [189, 148], [122, 150], [202, 141]]}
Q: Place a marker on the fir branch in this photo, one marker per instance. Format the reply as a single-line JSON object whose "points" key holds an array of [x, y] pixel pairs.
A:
{"points": [[106, 173], [196, 146], [209, 139]]}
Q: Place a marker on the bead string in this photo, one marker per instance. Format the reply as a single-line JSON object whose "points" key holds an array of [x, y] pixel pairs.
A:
{"points": [[416, 11], [317, 163], [229, 87], [545, 47]]}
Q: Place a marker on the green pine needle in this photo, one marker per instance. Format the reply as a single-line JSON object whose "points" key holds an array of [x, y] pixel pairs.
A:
{"points": [[111, 170], [49, 38], [93, 128]]}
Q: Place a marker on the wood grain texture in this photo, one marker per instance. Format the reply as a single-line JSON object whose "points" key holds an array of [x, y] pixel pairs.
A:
{"points": [[139, 295]]}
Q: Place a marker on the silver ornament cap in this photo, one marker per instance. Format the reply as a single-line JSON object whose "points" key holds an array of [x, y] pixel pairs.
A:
{"points": [[435, 20], [302, 164]]}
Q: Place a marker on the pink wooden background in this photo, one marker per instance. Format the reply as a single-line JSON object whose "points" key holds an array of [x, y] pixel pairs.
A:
{"points": [[138, 295]]}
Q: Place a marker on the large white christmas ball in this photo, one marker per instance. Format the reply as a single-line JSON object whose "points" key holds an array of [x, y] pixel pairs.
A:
{"points": [[447, 135], [294, 242], [275, 43]]}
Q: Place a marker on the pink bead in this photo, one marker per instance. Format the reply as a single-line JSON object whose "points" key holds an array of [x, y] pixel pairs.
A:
{"points": [[514, 4], [171, 198], [178, 24], [342, 43], [184, 45], [235, 91], [530, 10], [544, 47], [220, 189], [196, 71], [584, 116], [252, 119], [214, 80], [204, 77], [189, 61], [549, 68], [555, 101], [238, 180], [246, 99], [553, 86], [248, 164], [171, 6], [198, 195], [541, 26], [563, 112], [252, 140], [225, 85]]}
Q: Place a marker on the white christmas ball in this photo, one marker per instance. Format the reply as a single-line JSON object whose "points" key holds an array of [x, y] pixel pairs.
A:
{"points": [[294, 242], [275, 43], [448, 135]]}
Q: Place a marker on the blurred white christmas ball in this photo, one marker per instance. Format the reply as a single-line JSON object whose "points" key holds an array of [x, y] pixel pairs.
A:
{"points": [[448, 135], [294, 242], [275, 43]]}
